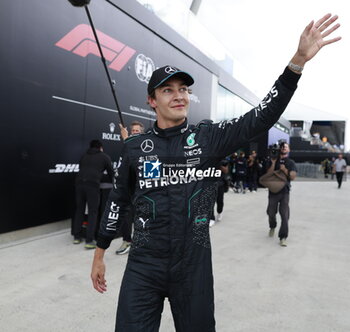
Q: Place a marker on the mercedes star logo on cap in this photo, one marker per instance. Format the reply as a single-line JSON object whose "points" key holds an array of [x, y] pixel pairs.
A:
{"points": [[170, 70]]}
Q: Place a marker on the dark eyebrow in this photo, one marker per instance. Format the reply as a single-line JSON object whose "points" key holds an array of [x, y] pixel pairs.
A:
{"points": [[169, 85]]}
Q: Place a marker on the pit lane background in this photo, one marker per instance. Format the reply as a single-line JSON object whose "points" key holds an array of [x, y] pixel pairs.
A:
{"points": [[45, 90]]}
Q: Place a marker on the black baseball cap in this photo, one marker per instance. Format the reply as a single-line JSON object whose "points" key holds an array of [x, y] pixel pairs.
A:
{"points": [[160, 75]]}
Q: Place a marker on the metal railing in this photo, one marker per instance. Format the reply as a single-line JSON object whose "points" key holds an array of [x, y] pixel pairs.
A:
{"points": [[315, 171]]}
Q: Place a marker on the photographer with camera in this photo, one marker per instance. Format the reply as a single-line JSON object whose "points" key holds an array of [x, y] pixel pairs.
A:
{"points": [[280, 200]]}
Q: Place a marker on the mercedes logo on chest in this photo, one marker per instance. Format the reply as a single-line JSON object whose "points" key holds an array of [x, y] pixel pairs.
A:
{"points": [[147, 146]]}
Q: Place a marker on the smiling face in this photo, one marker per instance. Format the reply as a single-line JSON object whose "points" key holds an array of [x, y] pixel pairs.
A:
{"points": [[171, 101]]}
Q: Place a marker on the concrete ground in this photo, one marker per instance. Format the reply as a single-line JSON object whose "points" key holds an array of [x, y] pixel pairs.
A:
{"points": [[259, 286]]}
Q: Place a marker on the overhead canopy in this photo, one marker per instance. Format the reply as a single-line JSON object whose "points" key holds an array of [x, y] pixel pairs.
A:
{"points": [[300, 112]]}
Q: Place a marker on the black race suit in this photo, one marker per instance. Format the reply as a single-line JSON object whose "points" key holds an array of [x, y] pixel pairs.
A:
{"points": [[170, 254]]}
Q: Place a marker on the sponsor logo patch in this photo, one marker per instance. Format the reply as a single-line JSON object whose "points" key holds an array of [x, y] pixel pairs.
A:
{"points": [[194, 152], [151, 169], [147, 146], [157, 174], [170, 70], [190, 139], [65, 168]]}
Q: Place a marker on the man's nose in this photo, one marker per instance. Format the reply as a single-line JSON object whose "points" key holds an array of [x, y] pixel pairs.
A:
{"points": [[178, 95]]}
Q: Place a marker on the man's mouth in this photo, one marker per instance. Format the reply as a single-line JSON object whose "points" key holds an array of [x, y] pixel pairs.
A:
{"points": [[178, 106]]}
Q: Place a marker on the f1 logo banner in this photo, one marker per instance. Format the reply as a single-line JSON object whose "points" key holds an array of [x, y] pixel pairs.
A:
{"points": [[81, 41]]}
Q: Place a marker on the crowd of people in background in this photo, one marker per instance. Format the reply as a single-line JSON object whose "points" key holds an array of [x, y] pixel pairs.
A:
{"points": [[240, 174], [244, 172]]}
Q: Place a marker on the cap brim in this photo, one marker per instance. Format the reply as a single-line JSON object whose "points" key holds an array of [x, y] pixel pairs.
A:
{"points": [[182, 74]]}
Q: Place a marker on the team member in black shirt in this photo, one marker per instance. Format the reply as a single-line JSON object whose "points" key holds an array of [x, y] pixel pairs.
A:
{"points": [[91, 167]]}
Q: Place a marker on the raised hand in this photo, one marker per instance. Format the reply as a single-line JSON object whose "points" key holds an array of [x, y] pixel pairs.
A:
{"points": [[313, 38], [123, 132]]}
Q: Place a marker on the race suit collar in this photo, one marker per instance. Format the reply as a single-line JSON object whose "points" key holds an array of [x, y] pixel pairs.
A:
{"points": [[173, 131]]}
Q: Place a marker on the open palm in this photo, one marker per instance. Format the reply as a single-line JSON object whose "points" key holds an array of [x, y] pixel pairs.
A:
{"points": [[313, 37]]}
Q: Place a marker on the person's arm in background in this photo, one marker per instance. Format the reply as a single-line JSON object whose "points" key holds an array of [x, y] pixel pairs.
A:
{"points": [[344, 166], [250, 161], [272, 166], [291, 174], [224, 169], [123, 132], [109, 169]]}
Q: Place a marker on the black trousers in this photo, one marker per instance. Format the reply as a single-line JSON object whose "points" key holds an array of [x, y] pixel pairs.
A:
{"points": [[279, 202], [252, 180], [85, 193], [126, 227], [146, 284], [241, 178], [339, 176], [219, 201]]}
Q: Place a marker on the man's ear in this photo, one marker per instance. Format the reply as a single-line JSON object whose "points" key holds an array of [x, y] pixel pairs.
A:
{"points": [[151, 102]]}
